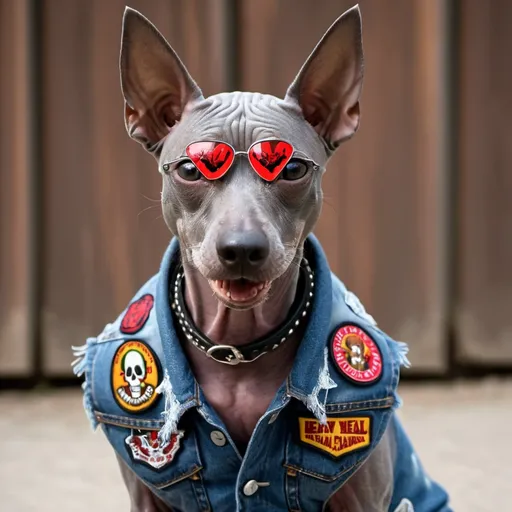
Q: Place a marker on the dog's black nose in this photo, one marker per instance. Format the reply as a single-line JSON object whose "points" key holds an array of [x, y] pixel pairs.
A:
{"points": [[243, 249]]}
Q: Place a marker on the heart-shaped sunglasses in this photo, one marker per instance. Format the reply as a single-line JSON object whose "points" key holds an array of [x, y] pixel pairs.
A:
{"points": [[213, 159]]}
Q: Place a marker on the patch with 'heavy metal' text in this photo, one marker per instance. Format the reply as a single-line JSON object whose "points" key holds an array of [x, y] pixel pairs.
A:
{"points": [[338, 436]]}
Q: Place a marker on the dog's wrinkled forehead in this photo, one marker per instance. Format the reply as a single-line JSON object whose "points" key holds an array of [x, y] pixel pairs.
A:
{"points": [[240, 119]]}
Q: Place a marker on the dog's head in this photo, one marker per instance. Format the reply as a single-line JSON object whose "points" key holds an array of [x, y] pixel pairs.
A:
{"points": [[242, 231]]}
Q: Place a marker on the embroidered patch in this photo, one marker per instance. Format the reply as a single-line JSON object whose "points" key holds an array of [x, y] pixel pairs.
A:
{"points": [[338, 436], [137, 314], [135, 376], [356, 355], [150, 450]]}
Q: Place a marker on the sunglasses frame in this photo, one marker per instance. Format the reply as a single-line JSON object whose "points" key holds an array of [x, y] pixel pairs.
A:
{"points": [[167, 165]]}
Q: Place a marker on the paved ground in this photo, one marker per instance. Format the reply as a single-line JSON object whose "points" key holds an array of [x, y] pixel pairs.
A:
{"points": [[51, 462]]}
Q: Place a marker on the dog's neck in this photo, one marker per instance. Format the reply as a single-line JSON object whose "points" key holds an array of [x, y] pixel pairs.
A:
{"points": [[231, 327], [240, 394]]}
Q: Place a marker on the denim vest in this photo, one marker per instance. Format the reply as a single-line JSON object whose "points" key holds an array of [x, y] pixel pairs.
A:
{"points": [[325, 431]]}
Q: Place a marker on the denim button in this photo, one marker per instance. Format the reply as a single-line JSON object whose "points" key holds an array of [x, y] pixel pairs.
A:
{"points": [[250, 487], [218, 438]]}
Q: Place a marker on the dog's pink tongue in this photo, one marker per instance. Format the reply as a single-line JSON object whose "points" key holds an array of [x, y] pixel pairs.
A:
{"points": [[242, 290]]}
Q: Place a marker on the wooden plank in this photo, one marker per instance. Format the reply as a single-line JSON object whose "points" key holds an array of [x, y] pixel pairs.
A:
{"points": [[384, 204], [104, 233], [484, 322], [15, 350]]}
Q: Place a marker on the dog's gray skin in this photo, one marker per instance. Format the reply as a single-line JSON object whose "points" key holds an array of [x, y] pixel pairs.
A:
{"points": [[239, 226]]}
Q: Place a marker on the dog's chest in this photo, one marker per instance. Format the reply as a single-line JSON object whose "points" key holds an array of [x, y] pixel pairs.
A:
{"points": [[240, 406]]}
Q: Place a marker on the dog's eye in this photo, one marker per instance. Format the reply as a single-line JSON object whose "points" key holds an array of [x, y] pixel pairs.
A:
{"points": [[294, 170], [188, 171]]}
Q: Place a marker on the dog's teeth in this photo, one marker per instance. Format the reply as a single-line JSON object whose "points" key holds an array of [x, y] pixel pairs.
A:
{"points": [[229, 295]]}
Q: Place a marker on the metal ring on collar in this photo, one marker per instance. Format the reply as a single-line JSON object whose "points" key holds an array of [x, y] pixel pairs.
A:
{"points": [[238, 356]]}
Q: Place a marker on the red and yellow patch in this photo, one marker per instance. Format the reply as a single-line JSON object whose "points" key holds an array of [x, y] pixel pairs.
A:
{"points": [[338, 437], [356, 355]]}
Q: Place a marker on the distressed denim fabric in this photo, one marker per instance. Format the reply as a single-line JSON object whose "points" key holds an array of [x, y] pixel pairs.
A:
{"points": [[278, 470]]}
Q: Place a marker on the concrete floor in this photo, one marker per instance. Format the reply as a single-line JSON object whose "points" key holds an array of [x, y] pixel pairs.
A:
{"points": [[51, 461]]}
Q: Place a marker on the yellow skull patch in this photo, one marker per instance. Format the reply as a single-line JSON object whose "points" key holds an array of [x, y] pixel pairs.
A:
{"points": [[135, 376]]}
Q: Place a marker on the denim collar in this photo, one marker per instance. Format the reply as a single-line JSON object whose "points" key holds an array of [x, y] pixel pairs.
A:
{"points": [[176, 366], [310, 356]]}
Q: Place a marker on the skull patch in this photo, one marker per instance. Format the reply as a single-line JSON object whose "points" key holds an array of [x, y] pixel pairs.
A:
{"points": [[135, 376]]}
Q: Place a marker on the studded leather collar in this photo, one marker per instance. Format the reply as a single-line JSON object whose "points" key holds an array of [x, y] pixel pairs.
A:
{"points": [[229, 354]]}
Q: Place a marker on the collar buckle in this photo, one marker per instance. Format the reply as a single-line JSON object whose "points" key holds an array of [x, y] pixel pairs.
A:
{"points": [[232, 359]]}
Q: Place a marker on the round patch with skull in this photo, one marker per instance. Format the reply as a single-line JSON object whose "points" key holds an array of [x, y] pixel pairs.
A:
{"points": [[135, 376]]}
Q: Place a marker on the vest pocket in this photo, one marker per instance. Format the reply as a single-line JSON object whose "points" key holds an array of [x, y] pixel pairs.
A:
{"points": [[172, 469], [320, 458]]}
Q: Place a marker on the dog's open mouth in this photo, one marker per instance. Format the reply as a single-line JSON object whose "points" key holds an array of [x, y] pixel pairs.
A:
{"points": [[240, 292]]}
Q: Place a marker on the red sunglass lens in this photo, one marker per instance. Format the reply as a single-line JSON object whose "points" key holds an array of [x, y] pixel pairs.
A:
{"points": [[270, 157], [212, 159]]}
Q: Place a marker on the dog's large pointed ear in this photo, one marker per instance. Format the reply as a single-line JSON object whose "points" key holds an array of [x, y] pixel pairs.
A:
{"points": [[329, 84], [155, 83]]}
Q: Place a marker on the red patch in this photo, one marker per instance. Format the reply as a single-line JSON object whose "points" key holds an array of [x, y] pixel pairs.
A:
{"points": [[137, 314], [356, 355], [148, 449]]}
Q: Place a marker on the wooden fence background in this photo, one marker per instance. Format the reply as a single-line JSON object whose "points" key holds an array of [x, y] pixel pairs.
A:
{"points": [[417, 218]]}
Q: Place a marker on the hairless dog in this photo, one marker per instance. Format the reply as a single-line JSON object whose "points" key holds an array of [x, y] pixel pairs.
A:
{"points": [[244, 375]]}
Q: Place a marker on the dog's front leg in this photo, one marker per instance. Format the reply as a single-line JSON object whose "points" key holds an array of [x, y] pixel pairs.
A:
{"points": [[141, 497]]}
